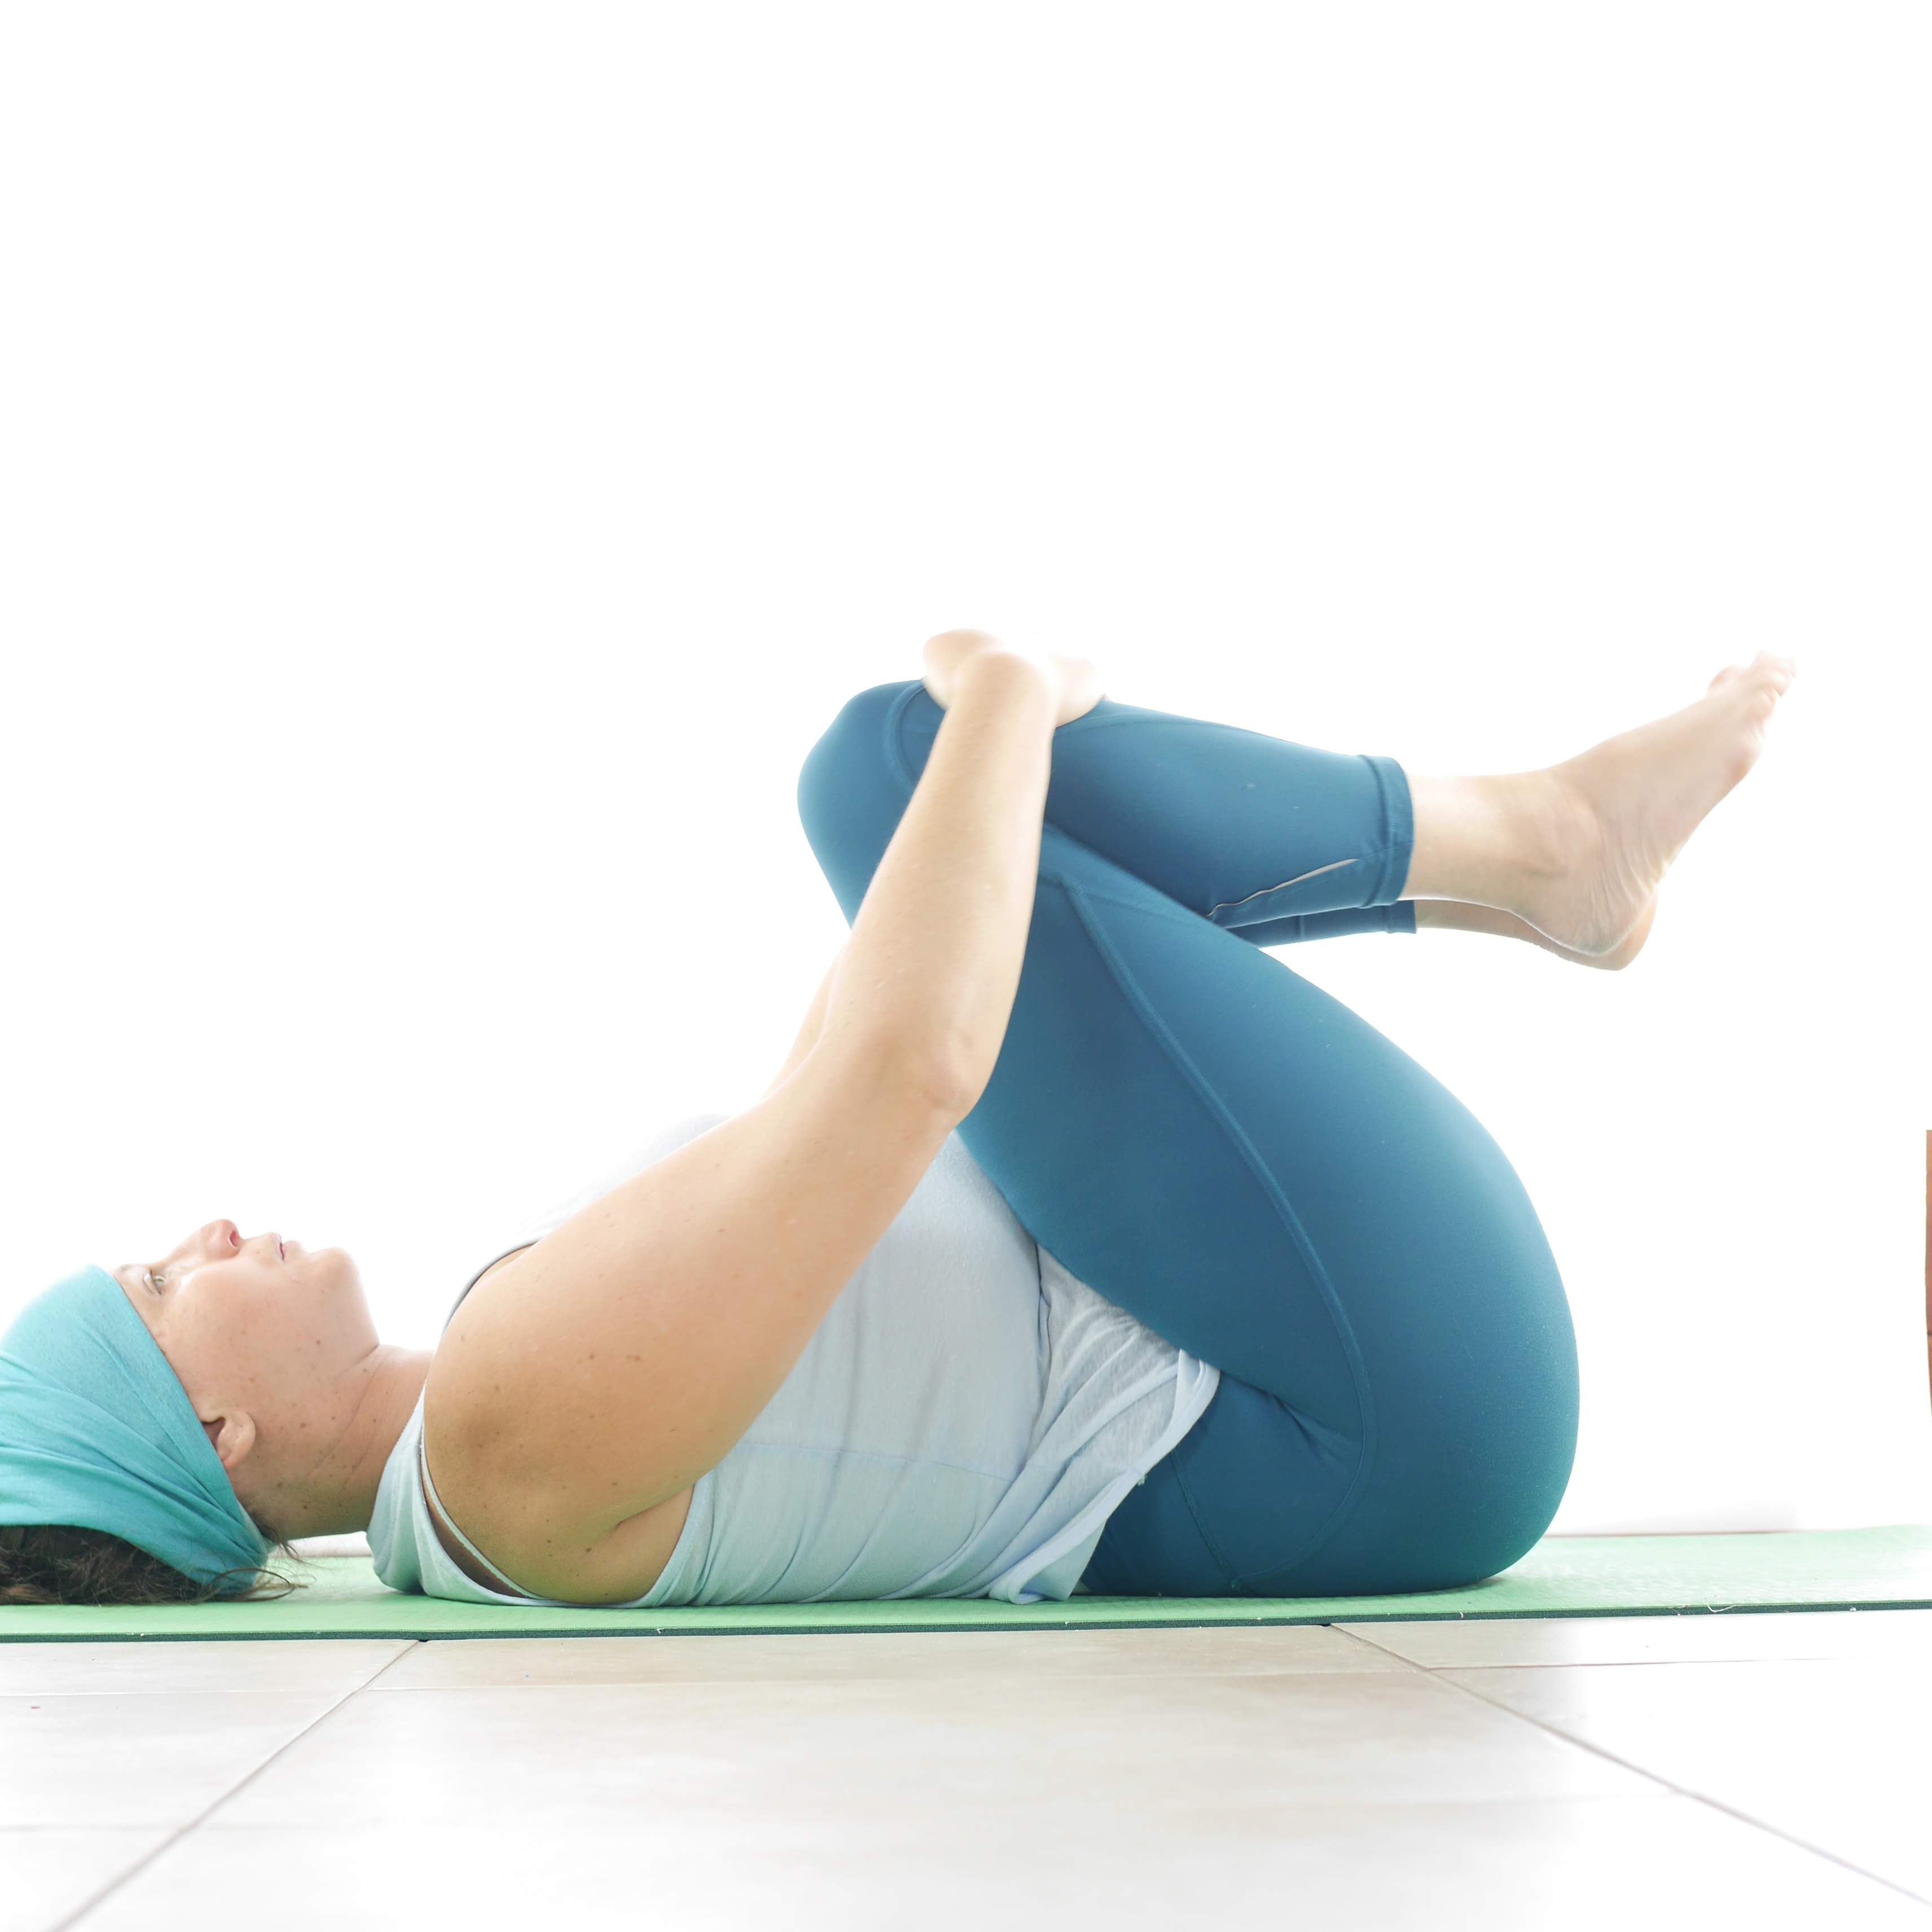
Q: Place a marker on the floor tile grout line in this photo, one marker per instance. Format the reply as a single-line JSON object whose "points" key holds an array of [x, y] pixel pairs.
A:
{"points": [[409, 1645], [1380, 1649], [1705, 1798], [194, 1824], [1657, 1778], [1877, 1660]]}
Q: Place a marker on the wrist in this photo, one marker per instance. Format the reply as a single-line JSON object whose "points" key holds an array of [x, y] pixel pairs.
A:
{"points": [[1002, 669]]}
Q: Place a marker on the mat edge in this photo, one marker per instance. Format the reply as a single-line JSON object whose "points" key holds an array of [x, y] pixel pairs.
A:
{"points": [[836, 1628]]}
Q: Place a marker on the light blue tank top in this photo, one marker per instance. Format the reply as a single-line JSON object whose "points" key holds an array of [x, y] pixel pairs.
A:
{"points": [[961, 1424]]}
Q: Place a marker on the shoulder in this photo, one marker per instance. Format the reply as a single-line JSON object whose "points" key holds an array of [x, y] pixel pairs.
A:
{"points": [[525, 1539], [503, 1541]]}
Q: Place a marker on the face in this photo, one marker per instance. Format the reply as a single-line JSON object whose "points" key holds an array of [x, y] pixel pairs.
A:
{"points": [[265, 1337]]}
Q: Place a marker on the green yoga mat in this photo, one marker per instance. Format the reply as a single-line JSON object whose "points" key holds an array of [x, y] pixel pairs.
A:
{"points": [[1562, 1577]]}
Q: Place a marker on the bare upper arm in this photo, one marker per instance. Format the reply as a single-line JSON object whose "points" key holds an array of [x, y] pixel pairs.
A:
{"points": [[623, 1355]]}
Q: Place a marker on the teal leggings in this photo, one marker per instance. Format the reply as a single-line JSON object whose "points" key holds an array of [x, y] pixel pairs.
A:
{"points": [[1244, 1164]]}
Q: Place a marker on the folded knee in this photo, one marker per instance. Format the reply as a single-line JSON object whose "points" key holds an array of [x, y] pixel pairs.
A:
{"points": [[852, 789]]}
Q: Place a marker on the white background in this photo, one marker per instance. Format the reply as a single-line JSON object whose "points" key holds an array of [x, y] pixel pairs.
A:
{"points": [[456, 462]]}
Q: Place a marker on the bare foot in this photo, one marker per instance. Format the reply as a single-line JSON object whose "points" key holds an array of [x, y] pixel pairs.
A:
{"points": [[1619, 956], [1628, 806], [1456, 917]]}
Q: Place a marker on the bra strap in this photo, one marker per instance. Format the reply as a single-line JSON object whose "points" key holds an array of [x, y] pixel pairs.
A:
{"points": [[448, 1522]]}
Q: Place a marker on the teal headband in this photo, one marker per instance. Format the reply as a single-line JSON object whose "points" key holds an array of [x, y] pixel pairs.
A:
{"points": [[96, 1431]]}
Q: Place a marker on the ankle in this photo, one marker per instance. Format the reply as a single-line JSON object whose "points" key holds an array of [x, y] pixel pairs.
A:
{"points": [[1490, 841], [1556, 831]]}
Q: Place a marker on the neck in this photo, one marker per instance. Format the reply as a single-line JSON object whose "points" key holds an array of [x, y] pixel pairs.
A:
{"points": [[341, 1497]]}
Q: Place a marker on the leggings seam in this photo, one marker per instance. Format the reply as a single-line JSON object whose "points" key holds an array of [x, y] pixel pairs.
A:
{"points": [[1387, 890], [1361, 859], [1388, 823], [1082, 724], [894, 750], [1178, 1058], [1229, 1574]]}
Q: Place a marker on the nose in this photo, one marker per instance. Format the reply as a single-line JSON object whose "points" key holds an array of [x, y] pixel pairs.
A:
{"points": [[224, 1236]]}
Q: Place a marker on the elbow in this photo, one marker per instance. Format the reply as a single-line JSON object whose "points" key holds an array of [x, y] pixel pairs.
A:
{"points": [[903, 1068], [954, 1096], [940, 1086], [939, 1083]]}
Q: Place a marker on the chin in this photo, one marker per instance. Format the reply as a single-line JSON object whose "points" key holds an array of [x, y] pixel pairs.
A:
{"points": [[333, 1268], [336, 1284]]}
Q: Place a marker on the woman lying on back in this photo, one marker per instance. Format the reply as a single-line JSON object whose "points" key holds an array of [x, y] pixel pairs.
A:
{"points": [[1079, 1242]]}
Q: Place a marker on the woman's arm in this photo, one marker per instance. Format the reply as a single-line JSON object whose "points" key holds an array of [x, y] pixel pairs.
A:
{"points": [[933, 959], [947, 917], [625, 1353]]}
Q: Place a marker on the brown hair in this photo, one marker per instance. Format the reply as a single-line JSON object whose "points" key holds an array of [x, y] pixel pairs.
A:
{"points": [[42, 1563]]}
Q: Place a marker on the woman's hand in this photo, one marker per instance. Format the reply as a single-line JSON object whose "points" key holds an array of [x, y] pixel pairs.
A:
{"points": [[1076, 683]]}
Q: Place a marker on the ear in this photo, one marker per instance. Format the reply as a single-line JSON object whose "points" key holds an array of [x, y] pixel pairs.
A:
{"points": [[232, 1436]]}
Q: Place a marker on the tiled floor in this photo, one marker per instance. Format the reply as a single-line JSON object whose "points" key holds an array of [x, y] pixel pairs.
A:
{"points": [[1665, 1771]]}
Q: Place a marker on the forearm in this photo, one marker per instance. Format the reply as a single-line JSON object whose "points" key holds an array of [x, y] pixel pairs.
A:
{"points": [[933, 960]]}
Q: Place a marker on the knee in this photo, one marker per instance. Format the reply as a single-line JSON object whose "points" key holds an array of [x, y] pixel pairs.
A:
{"points": [[853, 788]]}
